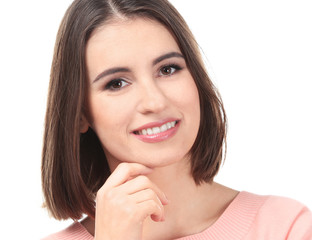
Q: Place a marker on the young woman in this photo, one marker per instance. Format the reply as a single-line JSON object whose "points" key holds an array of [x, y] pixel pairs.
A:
{"points": [[135, 133]]}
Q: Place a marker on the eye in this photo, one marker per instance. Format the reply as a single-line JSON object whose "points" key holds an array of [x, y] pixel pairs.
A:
{"points": [[116, 84], [169, 69]]}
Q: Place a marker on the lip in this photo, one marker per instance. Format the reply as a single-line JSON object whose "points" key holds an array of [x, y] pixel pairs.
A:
{"points": [[158, 137]]}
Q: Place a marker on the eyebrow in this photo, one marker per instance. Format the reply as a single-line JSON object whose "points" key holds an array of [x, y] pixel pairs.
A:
{"points": [[123, 69], [110, 71], [168, 55]]}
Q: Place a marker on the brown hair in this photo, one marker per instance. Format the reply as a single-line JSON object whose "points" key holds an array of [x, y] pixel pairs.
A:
{"points": [[74, 166]]}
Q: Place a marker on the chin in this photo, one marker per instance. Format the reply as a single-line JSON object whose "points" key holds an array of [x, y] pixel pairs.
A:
{"points": [[160, 162], [152, 159]]}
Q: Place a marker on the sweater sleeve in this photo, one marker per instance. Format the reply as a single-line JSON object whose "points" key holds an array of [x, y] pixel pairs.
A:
{"points": [[302, 226], [282, 218]]}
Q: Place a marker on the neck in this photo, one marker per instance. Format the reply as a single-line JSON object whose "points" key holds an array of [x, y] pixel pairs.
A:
{"points": [[192, 208]]}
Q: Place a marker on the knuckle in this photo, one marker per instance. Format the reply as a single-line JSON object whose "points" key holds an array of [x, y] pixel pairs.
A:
{"points": [[110, 194], [123, 166], [144, 180], [155, 206], [100, 193], [130, 212], [106, 195], [150, 193]]}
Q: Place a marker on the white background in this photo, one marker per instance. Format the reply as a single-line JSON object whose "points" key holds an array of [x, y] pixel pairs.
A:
{"points": [[259, 54]]}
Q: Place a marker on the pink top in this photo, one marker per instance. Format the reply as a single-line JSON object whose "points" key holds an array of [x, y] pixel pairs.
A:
{"points": [[248, 217]]}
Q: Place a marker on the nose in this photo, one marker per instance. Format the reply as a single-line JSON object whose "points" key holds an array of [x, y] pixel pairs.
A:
{"points": [[152, 99]]}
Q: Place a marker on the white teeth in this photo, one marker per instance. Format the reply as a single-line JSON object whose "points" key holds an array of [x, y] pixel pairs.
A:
{"points": [[155, 130], [163, 128], [149, 131]]}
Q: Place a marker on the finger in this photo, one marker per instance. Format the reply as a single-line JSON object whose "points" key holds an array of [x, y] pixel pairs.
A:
{"points": [[150, 208], [147, 195], [125, 171], [140, 183]]}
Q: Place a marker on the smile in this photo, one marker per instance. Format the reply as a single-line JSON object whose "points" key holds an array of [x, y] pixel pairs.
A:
{"points": [[154, 133], [155, 130]]}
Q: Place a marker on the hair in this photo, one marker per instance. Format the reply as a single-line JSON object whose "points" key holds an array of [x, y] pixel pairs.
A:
{"points": [[74, 165]]}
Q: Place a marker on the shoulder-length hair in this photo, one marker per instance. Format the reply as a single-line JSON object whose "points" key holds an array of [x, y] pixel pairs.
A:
{"points": [[74, 165]]}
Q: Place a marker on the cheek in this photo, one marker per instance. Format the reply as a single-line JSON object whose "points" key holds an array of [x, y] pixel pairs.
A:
{"points": [[193, 106], [107, 115], [186, 95], [190, 104], [193, 94]]}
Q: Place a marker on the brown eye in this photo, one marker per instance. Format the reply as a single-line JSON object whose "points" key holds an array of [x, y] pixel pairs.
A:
{"points": [[116, 84], [166, 70], [169, 70]]}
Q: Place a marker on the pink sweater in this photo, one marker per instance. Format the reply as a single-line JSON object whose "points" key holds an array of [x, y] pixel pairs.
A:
{"points": [[248, 217]]}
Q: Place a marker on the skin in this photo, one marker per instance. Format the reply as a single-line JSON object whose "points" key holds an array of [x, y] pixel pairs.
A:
{"points": [[150, 193], [146, 95]]}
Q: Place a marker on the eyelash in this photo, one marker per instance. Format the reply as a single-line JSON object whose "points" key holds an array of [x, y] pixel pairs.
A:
{"points": [[172, 66], [109, 85]]}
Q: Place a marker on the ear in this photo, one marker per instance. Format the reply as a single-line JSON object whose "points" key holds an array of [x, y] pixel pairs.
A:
{"points": [[84, 124]]}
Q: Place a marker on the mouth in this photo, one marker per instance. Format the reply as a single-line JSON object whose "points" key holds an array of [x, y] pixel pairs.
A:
{"points": [[156, 130]]}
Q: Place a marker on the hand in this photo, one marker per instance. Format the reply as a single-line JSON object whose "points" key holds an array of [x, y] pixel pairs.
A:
{"points": [[126, 199]]}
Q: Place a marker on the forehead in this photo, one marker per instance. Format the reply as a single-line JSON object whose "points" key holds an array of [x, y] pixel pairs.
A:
{"points": [[129, 28], [124, 39]]}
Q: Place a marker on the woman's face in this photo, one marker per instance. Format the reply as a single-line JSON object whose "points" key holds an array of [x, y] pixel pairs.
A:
{"points": [[143, 102]]}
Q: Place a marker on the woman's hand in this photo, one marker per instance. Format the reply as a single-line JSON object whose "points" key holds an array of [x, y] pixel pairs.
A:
{"points": [[126, 199]]}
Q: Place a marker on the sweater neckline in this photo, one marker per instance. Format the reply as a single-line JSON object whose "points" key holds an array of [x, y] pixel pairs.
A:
{"points": [[234, 223]]}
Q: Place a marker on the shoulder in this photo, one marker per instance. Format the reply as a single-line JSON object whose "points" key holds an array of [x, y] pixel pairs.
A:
{"points": [[75, 231], [284, 208], [283, 217], [274, 205]]}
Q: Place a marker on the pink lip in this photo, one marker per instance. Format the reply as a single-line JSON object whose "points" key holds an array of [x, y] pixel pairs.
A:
{"points": [[155, 124], [154, 138]]}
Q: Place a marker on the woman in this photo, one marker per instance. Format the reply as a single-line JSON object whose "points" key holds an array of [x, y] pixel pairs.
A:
{"points": [[135, 125]]}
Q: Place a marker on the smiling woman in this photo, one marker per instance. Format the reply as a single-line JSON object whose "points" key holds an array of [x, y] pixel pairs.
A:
{"points": [[135, 134], [148, 92]]}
